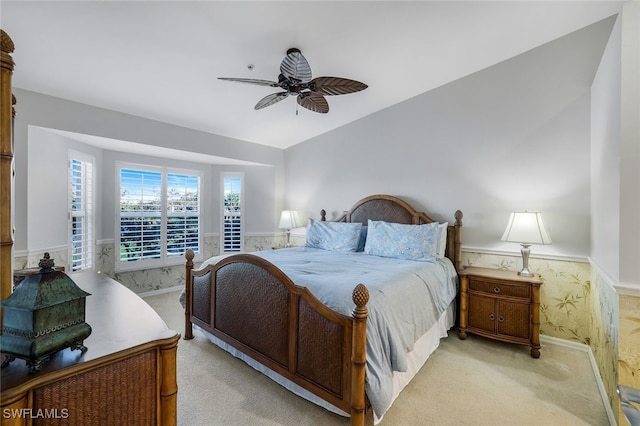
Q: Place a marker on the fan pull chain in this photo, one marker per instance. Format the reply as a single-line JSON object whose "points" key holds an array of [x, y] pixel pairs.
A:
{"points": [[296, 108]]}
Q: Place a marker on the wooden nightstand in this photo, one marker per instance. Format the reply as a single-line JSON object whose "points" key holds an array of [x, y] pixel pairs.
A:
{"points": [[501, 305]]}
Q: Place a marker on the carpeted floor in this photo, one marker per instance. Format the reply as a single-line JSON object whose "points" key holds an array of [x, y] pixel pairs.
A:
{"points": [[473, 382]]}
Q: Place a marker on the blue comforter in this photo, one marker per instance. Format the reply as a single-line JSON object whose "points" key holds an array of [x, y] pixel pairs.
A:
{"points": [[406, 298]]}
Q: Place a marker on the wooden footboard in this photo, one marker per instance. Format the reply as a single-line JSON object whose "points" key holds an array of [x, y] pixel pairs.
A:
{"points": [[253, 306]]}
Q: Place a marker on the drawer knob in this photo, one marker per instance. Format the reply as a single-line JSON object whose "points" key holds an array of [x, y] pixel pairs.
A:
{"points": [[496, 290], [492, 317], [501, 318]]}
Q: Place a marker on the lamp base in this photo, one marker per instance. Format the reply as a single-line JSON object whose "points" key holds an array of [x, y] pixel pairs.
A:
{"points": [[525, 273], [525, 261]]}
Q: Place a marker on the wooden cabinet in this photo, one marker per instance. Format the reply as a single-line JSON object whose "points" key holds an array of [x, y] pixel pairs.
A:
{"points": [[126, 376], [501, 305]]}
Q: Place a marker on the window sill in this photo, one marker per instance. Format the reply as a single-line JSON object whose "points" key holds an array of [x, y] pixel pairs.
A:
{"points": [[173, 261]]}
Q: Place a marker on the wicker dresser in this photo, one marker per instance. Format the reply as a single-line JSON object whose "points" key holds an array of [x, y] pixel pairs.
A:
{"points": [[127, 375], [501, 305]]}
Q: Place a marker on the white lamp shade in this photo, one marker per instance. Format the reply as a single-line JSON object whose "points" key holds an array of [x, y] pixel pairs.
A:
{"points": [[527, 228], [290, 219]]}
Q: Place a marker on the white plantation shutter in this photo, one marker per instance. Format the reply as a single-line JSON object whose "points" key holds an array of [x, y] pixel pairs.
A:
{"points": [[183, 214], [80, 212], [159, 216], [140, 215], [232, 229]]}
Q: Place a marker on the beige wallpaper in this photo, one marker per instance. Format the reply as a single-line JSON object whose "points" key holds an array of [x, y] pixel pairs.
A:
{"points": [[605, 335], [629, 346]]}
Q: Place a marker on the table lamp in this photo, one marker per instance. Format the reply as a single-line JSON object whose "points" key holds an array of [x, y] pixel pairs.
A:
{"points": [[526, 228], [289, 219]]}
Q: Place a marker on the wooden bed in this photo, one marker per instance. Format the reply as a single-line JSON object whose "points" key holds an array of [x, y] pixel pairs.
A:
{"points": [[242, 294]]}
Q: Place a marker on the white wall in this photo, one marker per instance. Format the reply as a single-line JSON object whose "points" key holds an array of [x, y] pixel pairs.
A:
{"points": [[514, 136], [605, 159], [615, 150], [630, 147], [47, 197]]}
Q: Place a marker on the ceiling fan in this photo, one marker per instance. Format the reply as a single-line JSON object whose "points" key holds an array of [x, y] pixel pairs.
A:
{"points": [[295, 80]]}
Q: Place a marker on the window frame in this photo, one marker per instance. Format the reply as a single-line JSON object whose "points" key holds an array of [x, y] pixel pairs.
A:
{"points": [[165, 258]]}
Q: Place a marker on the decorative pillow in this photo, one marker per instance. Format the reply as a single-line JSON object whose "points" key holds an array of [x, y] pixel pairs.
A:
{"points": [[442, 242], [334, 236], [411, 242]]}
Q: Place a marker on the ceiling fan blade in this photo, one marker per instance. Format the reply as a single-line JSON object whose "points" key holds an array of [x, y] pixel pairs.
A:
{"points": [[336, 85], [313, 102], [271, 99], [295, 67], [251, 81]]}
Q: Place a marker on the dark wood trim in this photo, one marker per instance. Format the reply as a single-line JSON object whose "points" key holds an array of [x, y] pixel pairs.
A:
{"points": [[188, 328]]}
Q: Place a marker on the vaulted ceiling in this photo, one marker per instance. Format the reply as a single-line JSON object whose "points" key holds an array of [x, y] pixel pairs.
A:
{"points": [[161, 59]]}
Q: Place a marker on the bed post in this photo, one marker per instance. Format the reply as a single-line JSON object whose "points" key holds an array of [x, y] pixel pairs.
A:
{"points": [[457, 240], [188, 328], [360, 297], [7, 113]]}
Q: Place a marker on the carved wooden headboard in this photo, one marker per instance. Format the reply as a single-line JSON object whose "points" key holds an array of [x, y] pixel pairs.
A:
{"points": [[392, 209]]}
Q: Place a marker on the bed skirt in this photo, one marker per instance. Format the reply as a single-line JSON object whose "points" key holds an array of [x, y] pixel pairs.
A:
{"points": [[422, 349]]}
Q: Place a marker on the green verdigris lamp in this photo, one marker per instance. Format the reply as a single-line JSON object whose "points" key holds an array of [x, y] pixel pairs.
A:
{"points": [[45, 314]]}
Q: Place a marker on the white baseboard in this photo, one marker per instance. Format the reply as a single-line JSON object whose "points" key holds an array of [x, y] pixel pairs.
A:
{"points": [[161, 291], [594, 367]]}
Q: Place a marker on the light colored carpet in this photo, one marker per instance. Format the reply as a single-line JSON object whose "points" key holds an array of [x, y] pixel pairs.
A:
{"points": [[473, 382]]}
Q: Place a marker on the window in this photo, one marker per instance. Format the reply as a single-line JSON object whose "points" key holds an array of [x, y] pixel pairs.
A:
{"points": [[232, 232], [80, 211], [159, 216]]}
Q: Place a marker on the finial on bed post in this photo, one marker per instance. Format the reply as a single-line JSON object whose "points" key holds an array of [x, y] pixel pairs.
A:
{"points": [[360, 297], [188, 329], [458, 217], [323, 215]]}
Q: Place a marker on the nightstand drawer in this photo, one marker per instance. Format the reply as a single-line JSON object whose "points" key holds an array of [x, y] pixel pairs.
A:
{"points": [[499, 289]]}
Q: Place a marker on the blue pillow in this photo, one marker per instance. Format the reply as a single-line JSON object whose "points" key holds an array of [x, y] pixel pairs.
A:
{"points": [[411, 242], [334, 236]]}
